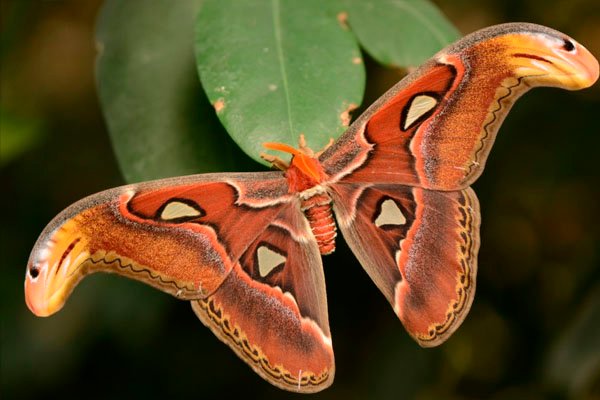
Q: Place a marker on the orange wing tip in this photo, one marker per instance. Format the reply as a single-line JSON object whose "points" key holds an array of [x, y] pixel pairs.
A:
{"points": [[555, 60], [53, 269], [35, 295]]}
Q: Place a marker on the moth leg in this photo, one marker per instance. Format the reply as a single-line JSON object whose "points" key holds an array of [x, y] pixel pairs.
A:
{"points": [[302, 142], [303, 147], [275, 161]]}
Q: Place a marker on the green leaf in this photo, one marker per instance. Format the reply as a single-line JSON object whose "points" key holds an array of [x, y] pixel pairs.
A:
{"points": [[401, 33], [274, 69], [159, 121]]}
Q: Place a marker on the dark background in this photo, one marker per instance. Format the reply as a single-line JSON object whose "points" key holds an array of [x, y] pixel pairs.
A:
{"points": [[533, 331]]}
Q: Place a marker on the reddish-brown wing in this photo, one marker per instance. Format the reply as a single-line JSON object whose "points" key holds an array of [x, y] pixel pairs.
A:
{"points": [[236, 243], [433, 131], [179, 235], [436, 127], [419, 247], [272, 308]]}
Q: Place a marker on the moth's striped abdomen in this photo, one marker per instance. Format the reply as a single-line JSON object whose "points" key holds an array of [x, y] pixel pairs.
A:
{"points": [[317, 209]]}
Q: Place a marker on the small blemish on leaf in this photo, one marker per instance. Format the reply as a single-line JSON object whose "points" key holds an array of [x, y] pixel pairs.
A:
{"points": [[272, 87], [346, 116], [343, 19], [219, 105], [357, 60]]}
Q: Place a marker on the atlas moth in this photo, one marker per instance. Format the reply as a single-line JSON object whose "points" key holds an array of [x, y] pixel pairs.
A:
{"points": [[245, 248]]}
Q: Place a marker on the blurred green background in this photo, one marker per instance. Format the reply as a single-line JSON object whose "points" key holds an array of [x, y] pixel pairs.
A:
{"points": [[534, 328]]}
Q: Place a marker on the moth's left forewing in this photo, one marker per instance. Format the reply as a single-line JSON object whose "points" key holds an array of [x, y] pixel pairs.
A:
{"points": [[419, 247], [179, 235]]}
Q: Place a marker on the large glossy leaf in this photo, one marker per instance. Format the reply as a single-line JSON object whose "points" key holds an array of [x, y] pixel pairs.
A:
{"points": [[274, 69], [402, 33], [159, 121]]}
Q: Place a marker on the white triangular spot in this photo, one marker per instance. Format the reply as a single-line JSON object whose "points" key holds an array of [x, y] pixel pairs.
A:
{"points": [[389, 214], [418, 106], [177, 209], [267, 260]]}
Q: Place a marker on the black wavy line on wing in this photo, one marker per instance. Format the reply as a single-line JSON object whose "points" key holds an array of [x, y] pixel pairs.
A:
{"points": [[129, 266], [494, 118]]}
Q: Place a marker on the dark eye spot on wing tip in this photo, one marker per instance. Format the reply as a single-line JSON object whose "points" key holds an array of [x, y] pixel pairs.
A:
{"points": [[568, 45], [34, 271]]}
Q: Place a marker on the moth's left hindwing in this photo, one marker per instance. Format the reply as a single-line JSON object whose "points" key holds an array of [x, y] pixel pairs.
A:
{"points": [[272, 308], [179, 235]]}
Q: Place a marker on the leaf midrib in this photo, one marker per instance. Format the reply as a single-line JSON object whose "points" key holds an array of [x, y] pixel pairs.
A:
{"points": [[282, 69]]}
